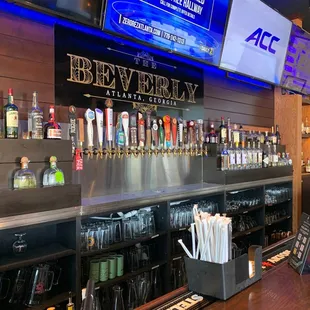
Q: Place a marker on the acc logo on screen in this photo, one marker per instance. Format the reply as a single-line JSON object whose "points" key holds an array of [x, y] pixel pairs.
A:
{"points": [[264, 40]]}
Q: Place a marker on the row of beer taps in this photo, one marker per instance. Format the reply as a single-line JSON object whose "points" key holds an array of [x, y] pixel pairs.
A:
{"points": [[140, 134]]}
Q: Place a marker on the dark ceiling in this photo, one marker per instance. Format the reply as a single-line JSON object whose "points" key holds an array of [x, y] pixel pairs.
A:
{"points": [[293, 9]]}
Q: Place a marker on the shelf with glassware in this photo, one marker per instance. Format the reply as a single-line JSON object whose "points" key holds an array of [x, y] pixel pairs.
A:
{"points": [[37, 264]]}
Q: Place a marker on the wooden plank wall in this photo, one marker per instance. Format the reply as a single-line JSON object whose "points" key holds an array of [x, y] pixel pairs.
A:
{"points": [[27, 64], [243, 103]]}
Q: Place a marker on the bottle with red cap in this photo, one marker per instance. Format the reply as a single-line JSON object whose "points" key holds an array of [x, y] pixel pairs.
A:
{"points": [[10, 114]]}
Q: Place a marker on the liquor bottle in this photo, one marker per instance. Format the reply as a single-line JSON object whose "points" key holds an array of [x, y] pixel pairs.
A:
{"points": [[236, 135], [232, 157], [270, 155], [278, 136], [249, 156], [275, 158], [266, 156], [10, 114], [244, 156], [259, 155], [238, 156], [35, 119], [224, 158], [70, 304], [254, 155], [241, 133], [229, 131], [289, 160], [306, 129], [212, 135], [261, 137], [53, 176], [24, 178], [52, 130], [223, 131], [273, 137], [267, 141]]}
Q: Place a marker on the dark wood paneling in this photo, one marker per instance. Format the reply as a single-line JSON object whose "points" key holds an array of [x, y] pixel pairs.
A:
{"points": [[237, 95], [36, 150], [243, 103], [215, 116], [24, 49], [26, 70], [233, 106], [26, 29], [39, 199], [218, 78]]}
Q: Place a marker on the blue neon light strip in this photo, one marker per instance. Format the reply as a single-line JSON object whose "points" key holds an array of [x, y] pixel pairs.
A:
{"points": [[46, 19]]}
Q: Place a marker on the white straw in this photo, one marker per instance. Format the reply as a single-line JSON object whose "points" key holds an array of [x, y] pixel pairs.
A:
{"points": [[185, 248], [193, 239]]}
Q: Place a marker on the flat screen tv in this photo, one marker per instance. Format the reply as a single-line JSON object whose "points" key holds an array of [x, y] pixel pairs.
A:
{"points": [[84, 11], [256, 41], [193, 28], [296, 73]]}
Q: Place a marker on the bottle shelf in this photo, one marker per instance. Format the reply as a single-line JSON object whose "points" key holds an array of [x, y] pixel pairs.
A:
{"points": [[179, 229], [282, 219], [52, 301], [244, 211], [130, 275], [124, 244], [247, 232], [35, 256], [278, 203]]}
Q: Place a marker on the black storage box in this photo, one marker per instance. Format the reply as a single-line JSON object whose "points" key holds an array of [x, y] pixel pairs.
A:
{"points": [[222, 281]]}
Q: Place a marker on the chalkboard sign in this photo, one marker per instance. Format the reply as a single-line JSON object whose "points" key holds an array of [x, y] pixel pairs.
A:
{"points": [[299, 257]]}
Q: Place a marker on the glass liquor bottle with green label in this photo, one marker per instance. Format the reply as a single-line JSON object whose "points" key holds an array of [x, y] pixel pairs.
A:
{"points": [[53, 176], [24, 178], [10, 114]]}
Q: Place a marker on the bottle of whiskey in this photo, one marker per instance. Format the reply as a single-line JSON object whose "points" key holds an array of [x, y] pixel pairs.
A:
{"points": [[53, 176], [52, 130], [223, 131], [10, 114], [212, 134], [244, 156], [35, 119], [224, 158], [278, 136], [70, 304], [24, 178]]}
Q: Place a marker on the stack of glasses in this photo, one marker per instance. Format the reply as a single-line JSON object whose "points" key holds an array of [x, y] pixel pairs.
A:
{"points": [[101, 234], [182, 215]]}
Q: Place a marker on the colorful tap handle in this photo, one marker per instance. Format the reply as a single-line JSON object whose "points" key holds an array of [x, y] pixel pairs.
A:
{"points": [[200, 132], [99, 122], [167, 120], [180, 132], [90, 116], [72, 127], [133, 130], [78, 159], [161, 133], [141, 132], [185, 133], [174, 132], [148, 130], [155, 140], [125, 123], [120, 136], [192, 134], [109, 122]]}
